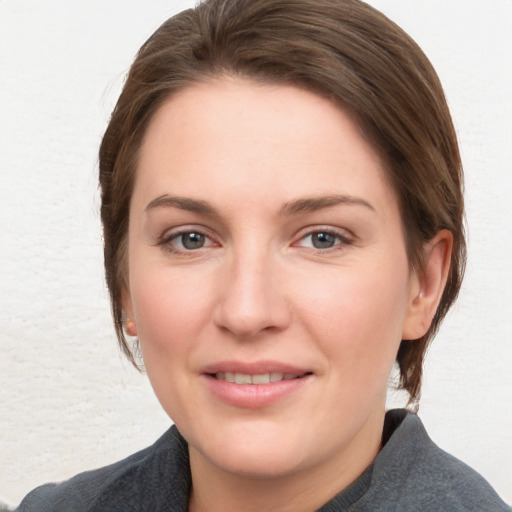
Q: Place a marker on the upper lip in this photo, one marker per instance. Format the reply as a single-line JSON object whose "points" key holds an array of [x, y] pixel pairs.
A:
{"points": [[254, 368]]}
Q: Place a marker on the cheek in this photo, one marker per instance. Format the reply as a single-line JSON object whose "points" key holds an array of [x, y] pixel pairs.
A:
{"points": [[170, 308], [357, 316]]}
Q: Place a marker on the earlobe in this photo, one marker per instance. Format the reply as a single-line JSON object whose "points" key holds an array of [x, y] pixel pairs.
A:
{"points": [[130, 326], [429, 286], [129, 321]]}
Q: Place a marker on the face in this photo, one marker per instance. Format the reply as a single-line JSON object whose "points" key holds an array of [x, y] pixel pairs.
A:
{"points": [[268, 277]]}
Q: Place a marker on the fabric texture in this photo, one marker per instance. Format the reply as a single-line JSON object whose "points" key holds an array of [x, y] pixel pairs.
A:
{"points": [[410, 474]]}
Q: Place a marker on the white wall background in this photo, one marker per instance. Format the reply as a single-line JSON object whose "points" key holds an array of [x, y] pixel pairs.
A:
{"points": [[68, 401]]}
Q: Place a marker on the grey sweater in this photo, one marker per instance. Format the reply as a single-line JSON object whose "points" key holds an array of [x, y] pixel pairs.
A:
{"points": [[410, 474]]}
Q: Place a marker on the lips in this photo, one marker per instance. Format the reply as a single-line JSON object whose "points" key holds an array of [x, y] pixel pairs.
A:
{"points": [[254, 385]]}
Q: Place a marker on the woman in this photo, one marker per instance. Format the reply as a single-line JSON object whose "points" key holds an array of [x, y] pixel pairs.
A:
{"points": [[282, 212]]}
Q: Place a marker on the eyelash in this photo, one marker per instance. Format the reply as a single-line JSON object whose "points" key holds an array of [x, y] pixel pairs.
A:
{"points": [[341, 240], [166, 241]]}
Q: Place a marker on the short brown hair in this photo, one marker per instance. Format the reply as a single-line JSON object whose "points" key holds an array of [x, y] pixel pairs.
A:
{"points": [[341, 49]]}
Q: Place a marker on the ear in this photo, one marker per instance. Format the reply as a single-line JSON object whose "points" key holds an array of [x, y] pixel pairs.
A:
{"points": [[129, 321], [427, 288]]}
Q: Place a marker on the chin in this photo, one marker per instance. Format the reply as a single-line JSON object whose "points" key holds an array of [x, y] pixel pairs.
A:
{"points": [[257, 449], [258, 463]]}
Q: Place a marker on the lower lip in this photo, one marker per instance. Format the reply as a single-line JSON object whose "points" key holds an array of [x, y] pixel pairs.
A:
{"points": [[254, 396]]}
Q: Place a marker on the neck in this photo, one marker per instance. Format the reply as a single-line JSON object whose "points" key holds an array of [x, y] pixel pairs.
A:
{"points": [[216, 490]]}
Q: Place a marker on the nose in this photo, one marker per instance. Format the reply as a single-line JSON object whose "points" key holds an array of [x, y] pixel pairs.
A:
{"points": [[252, 299]]}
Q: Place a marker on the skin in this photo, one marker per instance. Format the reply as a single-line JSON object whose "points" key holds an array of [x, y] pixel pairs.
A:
{"points": [[256, 286]]}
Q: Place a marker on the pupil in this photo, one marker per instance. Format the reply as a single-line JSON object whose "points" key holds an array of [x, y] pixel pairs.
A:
{"points": [[323, 240], [192, 240]]}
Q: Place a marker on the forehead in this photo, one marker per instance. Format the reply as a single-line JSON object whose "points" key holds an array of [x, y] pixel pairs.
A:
{"points": [[239, 135]]}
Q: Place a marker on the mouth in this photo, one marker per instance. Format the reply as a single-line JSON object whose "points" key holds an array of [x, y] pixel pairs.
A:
{"points": [[255, 385], [260, 378]]}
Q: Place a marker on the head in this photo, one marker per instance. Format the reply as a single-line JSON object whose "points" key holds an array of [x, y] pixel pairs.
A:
{"points": [[341, 50]]}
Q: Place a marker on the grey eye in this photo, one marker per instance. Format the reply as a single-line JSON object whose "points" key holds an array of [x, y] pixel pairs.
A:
{"points": [[323, 240], [191, 240]]}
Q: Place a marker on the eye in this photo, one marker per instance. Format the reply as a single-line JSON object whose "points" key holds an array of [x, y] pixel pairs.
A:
{"points": [[186, 241], [323, 240], [189, 241]]}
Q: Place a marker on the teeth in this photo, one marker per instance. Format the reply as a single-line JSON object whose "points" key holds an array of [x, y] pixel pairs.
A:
{"points": [[263, 378], [243, 378]]}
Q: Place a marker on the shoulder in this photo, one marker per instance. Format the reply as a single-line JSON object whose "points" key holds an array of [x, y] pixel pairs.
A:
{"points": [[417, 475], [129, 484]]}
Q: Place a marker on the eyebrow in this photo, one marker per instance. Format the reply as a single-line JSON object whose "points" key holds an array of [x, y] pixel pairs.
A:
{"points": [[302, 205], [183, 203], [311, 204]]}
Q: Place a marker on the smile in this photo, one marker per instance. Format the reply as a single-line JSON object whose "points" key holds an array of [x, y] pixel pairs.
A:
{"points": [[262, 378], [255, 388]]}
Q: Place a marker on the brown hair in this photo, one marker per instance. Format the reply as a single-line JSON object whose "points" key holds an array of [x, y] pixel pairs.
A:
{"points": [[341, 49]]}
